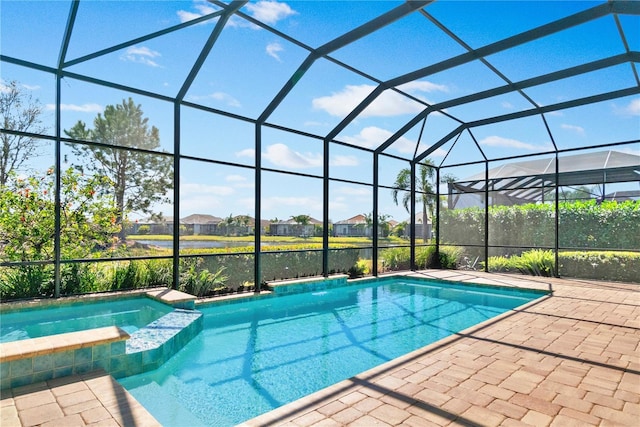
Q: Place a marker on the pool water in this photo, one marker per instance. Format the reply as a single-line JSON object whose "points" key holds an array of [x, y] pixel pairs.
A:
{"points": [[129, 314], [255, 356]]}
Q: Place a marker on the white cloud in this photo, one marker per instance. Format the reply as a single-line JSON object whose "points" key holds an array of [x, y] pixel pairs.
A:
{"points": [[353, 191], [422, 86], [281, 155], [4, 88], [187, 16], [344, 161], [196, 197], [389, 103], [498, 141], [306, 205], [235, 178], [273, 49], [196, 189], [84, 108], [247, 152], [270, 12], [202, 7], [631, 109], [226, 98], [373, 136], [223, 97], [239, 181], [141, 55], [573, 128], [506, 105], [369, 137]]}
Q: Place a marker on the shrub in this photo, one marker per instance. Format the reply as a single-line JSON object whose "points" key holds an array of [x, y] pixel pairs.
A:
{"points": [[536, 262], [199, 281], [362, 268], [500, 264], [604, 265], [399, 258]]}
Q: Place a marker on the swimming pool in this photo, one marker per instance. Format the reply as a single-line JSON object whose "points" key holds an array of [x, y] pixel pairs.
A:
{"points": [[129, 314], [255, 356]]}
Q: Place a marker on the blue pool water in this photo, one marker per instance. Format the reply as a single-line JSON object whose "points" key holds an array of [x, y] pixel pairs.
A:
{"points": [[255, 356], [129, 314]]}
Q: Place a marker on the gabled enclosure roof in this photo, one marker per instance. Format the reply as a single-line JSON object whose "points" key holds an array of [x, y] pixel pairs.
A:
{"points": [[525, 179], [409, 79]]}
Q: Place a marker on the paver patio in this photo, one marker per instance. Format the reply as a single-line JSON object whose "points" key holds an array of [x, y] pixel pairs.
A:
{"points": [[569, 359]]}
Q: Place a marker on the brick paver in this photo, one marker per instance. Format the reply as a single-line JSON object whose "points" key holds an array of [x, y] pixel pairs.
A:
{"points": [[73, 401], [570, 359]]}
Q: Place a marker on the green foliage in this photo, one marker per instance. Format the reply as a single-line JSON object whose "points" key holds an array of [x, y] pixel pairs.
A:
{"points": [[362, 268], [582, 224], [197, 280], [500, 264], [535, 262], [395, 259], [136, 180], [26, 281], [27, 213], [144, 229], [450, 256], [424, 191], [600, 265]]}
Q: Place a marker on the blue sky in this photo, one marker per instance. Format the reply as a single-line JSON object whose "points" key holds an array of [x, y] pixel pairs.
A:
{"points": [[249, 65]]}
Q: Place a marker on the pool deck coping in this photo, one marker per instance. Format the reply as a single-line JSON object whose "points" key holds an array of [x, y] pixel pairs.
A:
{"points": [[61, 342], [569, 358]]}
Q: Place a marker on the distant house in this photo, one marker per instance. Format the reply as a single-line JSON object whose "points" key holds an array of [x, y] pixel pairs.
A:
{"points": [[200, 224], [239, 225], [353, 227], [162, 225], [419, 227], [292, 228], [357, 227]]}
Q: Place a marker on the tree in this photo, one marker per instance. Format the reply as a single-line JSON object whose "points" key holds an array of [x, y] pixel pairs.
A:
{"points": [[18, 112], [303, 220], [383, 224], [137, 179], [27, 217], [424, 192], [228, 222]]}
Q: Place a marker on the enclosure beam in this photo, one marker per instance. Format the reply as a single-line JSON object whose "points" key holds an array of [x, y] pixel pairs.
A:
{"points": [[499, 46], [501, 90], [204, 53], [374, 216], [176, 194]]}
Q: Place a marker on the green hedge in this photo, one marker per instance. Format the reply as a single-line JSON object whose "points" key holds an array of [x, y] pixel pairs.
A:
{"points": [[581, 224], [398, 259], [595, 265], [608, 265]]}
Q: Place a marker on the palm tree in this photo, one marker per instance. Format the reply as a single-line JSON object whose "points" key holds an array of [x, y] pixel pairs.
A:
{"points": [[424, 192], [228, 222], [383, 223], [303, 220]]}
